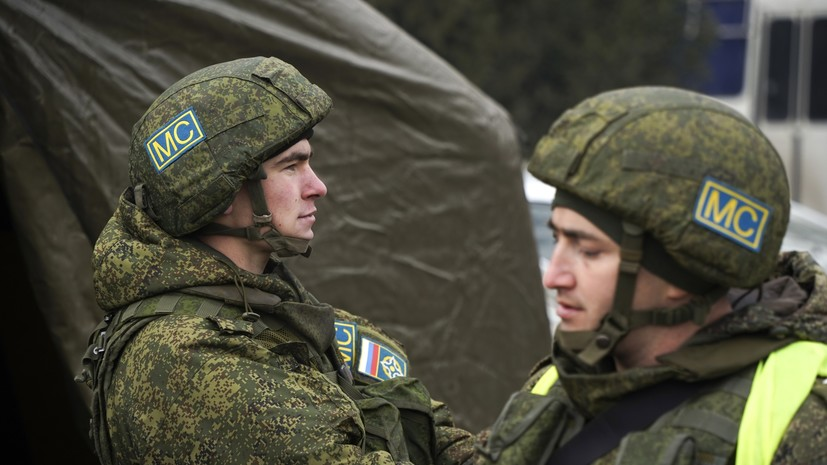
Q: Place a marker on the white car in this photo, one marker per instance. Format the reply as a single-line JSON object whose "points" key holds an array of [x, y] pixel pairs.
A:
{"points": [[807, 230]]}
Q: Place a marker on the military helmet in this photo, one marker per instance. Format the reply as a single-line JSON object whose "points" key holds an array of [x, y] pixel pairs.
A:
{"points": [[687, 169], [203, 137]]}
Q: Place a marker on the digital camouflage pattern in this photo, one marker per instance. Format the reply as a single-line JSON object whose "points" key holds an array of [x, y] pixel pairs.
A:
{"points": [[792, 305], [234, 104], [187, 388], [708, 186], [642, 153]]}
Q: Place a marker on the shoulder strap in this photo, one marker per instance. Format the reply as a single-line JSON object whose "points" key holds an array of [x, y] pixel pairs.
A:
{"points": [[634, 412]]}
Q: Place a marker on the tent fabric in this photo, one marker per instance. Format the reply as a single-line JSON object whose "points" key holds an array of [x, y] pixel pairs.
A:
{"points": [[425, 229]]}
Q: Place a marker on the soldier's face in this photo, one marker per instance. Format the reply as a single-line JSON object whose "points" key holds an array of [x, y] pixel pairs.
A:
{"points": [[583, 270], [291, 190]]}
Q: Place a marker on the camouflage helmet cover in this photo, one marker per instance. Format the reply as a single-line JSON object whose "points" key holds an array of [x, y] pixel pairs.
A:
{"points": [[203, 137], [689, 170]]}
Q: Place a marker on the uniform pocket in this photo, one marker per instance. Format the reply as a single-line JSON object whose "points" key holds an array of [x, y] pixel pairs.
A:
{"points": [[661, 448], [413, 402], [383, 427], [528, 429]]}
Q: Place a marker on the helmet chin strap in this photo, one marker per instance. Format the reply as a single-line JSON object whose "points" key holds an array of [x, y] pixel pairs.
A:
{"points": [[282, 246], [590, 347]]}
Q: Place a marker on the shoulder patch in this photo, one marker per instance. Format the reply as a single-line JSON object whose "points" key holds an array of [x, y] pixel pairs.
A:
{"points": [[174, 139], [379, 362], [346, 333], [731, 213]]}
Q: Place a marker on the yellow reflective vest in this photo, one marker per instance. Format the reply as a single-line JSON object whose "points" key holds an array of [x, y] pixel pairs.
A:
{"points": [[779, 387]]}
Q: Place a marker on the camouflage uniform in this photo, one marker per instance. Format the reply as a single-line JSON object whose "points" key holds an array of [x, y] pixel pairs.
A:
{"points": [[794, 307], [200, 361], [693, 192], [192, 389]]}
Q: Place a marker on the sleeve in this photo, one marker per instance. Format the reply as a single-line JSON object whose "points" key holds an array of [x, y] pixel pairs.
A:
{"points": [[454, 446], [186, 391], [357, 335]]}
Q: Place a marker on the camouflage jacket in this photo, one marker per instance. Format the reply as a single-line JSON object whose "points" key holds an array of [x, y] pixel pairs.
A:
{"points": [[703, 429], [198, 361]]}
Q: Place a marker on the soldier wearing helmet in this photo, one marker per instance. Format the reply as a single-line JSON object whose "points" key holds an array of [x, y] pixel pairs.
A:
{"points": [[211, 350], [684, 336]]}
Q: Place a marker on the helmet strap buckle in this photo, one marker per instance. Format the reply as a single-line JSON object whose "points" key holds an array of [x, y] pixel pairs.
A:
{"points": [[263, 220]]}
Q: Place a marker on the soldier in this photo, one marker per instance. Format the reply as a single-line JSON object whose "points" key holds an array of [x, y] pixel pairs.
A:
{"points": [[211, 351], [685, 338]]}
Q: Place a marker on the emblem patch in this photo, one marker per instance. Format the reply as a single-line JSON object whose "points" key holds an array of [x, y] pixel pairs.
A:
{"points": [[346, 340], [379, 362], [731, 214], [174, 139]]}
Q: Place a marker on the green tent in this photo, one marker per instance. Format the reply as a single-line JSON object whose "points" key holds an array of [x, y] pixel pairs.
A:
{"points": [[425, 229]]}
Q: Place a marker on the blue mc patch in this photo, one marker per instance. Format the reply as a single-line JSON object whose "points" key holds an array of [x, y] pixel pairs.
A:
{"points": [[346, 340], [177, 137], [732, 214]]}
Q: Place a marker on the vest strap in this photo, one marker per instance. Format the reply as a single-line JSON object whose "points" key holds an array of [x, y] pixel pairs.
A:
{"points": [[167, 303], [635, 412], [209, 308], [778, 389], [711, 422]]}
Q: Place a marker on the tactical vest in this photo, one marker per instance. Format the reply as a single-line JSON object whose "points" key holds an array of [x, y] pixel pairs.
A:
{"points": [[750, 409], [397, 412]]}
